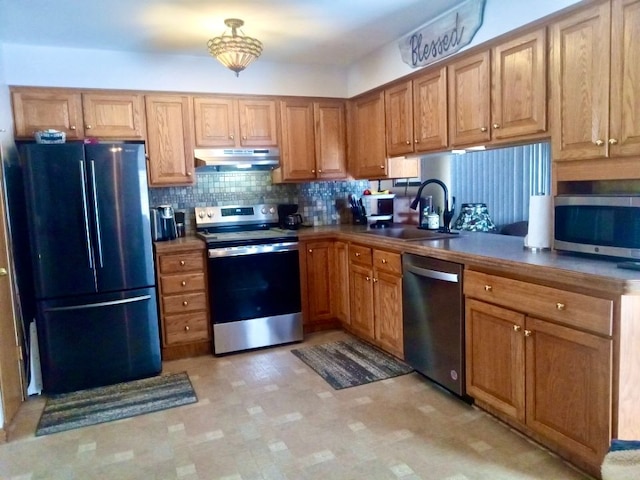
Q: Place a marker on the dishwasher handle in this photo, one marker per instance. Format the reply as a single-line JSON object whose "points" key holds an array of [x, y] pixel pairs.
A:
{"points": [[424, 272]]}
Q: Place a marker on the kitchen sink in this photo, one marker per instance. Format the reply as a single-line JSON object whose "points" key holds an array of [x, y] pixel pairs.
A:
{"points": [[410, 234]]}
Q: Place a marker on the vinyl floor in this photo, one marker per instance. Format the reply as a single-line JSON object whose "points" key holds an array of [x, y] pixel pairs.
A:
{"points": [[265, 415]]}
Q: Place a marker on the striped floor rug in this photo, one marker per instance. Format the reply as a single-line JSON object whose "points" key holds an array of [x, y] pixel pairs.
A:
{"points": [[349, 363], [104, 404]]}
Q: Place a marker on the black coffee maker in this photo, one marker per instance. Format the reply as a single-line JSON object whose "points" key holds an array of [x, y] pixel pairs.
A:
{"points": [[288, 218], [163, 223]]}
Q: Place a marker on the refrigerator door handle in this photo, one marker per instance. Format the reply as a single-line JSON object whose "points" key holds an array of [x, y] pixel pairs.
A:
{"points": [[95, 212], [85, 213], [99, 304]]}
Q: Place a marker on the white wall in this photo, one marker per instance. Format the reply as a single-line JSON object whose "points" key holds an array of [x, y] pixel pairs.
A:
{"points": [[83, 68], [500, 16]]}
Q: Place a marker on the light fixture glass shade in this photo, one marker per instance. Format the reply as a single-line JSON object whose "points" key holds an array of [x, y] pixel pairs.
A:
{"points": [[235, 51], [474, 217]]}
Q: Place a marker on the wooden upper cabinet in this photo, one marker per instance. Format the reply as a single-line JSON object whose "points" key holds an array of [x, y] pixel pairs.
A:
{"points": [[231, 122], [580, 76], [298, 159], [113, 115], [398, 102], [430, 119], [469, 100], [331, 139], [367, 152], [169, 144], [78, 114], [416, 114], [624, 124], [41, 109], [519, 86]]}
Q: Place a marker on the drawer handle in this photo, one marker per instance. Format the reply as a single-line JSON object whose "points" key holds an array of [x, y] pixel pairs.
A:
{"points": [[560, 306], [186, 328], [384, 260], [183, 283], [182, 262], [528, 333], [517, 328], [357, 254], [185, 303], [488, 288]]}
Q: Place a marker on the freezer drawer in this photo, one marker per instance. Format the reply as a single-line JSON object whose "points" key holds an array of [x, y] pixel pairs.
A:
{"points": [[98, 340]]}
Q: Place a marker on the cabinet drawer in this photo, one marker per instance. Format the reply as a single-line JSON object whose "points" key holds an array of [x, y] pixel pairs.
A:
{"points": [[182, 262], [188, 302], [387, 261], [360, 254], [190, 327], [188, 282], [569, 308]]}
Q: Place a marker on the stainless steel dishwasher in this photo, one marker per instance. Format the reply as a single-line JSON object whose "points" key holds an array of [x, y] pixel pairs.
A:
{"points": [[432, 306]]}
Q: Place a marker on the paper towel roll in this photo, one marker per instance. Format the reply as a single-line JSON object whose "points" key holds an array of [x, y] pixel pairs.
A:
{"points": [[539, 231]]}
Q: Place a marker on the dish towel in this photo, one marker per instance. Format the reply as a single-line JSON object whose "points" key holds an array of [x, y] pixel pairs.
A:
{"points": [[623, 461]]}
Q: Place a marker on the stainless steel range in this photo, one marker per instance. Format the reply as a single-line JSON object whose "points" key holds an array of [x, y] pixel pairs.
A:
{"points": [[254, 277]]}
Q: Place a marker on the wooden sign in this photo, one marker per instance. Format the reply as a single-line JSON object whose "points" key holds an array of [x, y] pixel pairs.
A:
{"points": [[444, 35]]}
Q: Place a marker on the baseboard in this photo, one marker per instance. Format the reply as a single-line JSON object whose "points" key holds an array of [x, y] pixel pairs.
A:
{"points": [[3, 436]]}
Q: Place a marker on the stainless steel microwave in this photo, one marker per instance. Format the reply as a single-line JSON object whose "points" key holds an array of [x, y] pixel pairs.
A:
{"points": [[607, 225]]}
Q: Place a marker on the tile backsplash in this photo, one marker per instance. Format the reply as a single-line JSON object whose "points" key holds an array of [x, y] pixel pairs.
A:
{"points": [[320, 203]]}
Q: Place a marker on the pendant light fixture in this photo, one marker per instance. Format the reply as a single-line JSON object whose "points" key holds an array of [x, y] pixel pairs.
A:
{"points": [[235, 51]]}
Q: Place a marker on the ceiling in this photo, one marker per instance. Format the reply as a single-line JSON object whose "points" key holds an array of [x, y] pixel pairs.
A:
{"points": [[326, 32]]}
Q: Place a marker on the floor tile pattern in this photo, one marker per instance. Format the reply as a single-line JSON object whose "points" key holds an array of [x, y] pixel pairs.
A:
{"points": [[264, 415]]}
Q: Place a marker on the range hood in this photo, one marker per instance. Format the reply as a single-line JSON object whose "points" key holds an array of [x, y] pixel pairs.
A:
{"points": [[238, 159]]}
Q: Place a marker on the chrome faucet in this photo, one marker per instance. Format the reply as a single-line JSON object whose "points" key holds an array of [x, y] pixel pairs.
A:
{"points": [[447, 215]]}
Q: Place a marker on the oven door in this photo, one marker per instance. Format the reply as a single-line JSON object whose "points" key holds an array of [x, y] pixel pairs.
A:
{"points": [[254, 296]]}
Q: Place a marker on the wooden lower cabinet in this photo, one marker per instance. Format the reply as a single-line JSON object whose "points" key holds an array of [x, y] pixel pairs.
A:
{"points": [[317, 268], [183, 299], [375, 290], [553, 380], [340, 281]]}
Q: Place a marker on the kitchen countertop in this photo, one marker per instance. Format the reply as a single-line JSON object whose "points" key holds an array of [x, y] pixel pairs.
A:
{"points": [[502, 253]]}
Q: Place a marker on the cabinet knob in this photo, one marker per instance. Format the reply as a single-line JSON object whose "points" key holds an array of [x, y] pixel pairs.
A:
{"points": [[319, 170], [357, 254], [599, 142], [517, 328], [183, 283], [560, 306], [496, 126], [488, 288], [384, 260], [88, 127], [189, 174], [182, 262], [483, 129], [186, 328], [185, 303], [311, 250], [313, 170], [3, 272], [528, 333], [375, 280], [416, 141], [408, 142], [613, 141], [231, 137], [381, 167], [244, 137], [368, 278], [72, 127]]}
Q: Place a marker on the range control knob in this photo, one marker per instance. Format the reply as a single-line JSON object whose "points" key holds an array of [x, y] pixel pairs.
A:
{"points": [[209, 213], [201, 214], [272, 210], [264, 210]]}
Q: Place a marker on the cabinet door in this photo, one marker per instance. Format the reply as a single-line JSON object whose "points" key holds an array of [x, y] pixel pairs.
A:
{"points": [[331, 139], [398, 105], [215, 121], [580, 76], [108, 115], [361, 297], [319, 288], [387, 294], [340, 281], [258, 126], [169, 144], [569, 387], [494, 344], [367, 147], [430, 125], [41, 109], [469, 100], [624, 135], [298, 140], [519, 93]]}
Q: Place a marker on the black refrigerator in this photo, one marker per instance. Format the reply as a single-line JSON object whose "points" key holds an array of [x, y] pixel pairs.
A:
{"points": [[92, 260]]}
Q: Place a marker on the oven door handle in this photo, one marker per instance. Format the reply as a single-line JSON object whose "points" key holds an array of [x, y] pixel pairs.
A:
{"points": [[252, 249]]}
